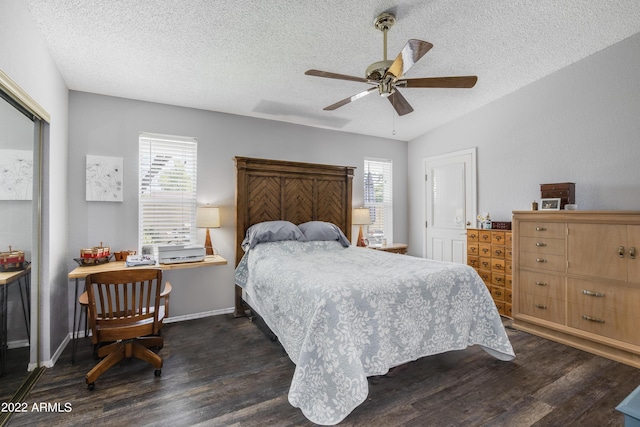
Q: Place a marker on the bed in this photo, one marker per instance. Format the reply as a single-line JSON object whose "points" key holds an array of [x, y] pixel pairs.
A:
{"points": [[344, 313]]}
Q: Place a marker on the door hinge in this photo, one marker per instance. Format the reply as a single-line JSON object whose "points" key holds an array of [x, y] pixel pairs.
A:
{"points": [[426, 224]]}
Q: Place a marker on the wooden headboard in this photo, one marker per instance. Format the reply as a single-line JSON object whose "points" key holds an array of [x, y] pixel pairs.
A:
{"points": [[269, 190]]}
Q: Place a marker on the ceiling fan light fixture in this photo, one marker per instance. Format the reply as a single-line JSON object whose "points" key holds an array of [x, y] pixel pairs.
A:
{"points": [[386, 87], [377, 70]]}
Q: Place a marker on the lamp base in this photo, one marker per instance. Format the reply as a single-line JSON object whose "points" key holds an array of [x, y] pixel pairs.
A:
{"points": [[207, 244], [360, 241]]}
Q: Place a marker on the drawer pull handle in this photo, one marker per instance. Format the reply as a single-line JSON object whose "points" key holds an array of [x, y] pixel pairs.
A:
{"points": [[541, 283], [593, 319], [542, 307], [498, 252], [632, 252], [540, 244], [541, 229], [541, 260], [593, 294], [621, 251]]}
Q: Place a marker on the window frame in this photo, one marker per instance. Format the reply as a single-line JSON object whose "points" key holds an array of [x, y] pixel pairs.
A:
{"points": [[381, 210], [161, 208]]}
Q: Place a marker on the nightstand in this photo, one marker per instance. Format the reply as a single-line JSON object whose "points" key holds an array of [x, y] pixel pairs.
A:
{"points": [[398, 248]]}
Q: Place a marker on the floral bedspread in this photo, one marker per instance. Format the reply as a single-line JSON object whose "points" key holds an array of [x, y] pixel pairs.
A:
{"points": [[343, 314]]}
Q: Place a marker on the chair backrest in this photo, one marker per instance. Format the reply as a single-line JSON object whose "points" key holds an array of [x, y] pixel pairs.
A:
{"points": [[124, 304]]}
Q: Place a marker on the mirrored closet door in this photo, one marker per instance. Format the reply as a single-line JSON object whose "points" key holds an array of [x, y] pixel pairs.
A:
{"points": [[20, 167]]}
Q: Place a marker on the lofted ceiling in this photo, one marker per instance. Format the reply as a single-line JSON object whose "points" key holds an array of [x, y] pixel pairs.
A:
{"points": [[248, 57]]}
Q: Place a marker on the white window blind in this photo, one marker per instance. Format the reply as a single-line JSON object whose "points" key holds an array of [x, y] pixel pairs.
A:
{"points": [[167, 189], [378, 197]]}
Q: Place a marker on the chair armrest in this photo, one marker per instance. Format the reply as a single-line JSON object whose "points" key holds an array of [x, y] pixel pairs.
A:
{"points": [[84, 298], [167, 290], [165, 294]]}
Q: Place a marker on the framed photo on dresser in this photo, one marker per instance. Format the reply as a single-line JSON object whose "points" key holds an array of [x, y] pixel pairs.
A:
{"points": [[549, 204]]}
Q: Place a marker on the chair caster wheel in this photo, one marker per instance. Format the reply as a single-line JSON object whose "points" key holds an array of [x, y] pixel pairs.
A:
{"points": [[91, 386], [157, 373]]}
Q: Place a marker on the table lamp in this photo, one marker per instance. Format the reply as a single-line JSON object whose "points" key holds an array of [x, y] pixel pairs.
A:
{"points": [[208, 217], [361, 216]]}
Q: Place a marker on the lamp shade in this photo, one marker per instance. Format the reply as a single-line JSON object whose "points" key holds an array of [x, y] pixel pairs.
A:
{"points": [[361, 216], [207, 217]]}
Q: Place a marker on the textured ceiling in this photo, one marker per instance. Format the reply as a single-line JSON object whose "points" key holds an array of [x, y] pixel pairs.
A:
{"points": [[248, 57]]}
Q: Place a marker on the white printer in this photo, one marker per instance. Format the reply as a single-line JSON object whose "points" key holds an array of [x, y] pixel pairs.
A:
{"points": [[172, 254]]}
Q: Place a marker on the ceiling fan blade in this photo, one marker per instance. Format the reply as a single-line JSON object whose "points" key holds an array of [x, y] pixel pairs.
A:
{"points": [[445, 82], [350, 99], [329, 75], [399, 103], [410, 54]]}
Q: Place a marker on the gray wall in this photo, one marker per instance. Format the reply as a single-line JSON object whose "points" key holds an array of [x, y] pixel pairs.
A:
{"points": [[25, 58], [108, 126], [580, 124]]}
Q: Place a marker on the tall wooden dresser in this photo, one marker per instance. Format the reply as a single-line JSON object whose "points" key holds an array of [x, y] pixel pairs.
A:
{"points": [[577, 279], [489, 252]]}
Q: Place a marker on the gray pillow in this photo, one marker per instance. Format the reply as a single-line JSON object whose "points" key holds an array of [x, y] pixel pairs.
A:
{"points": [[271, 231], [320, 230]]}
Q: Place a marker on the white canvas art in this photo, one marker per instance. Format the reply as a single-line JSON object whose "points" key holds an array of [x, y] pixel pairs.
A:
{"points": [[16, 175], [104, 178]]}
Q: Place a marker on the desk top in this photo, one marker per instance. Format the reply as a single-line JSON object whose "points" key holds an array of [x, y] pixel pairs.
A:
{"points": [[81, 272], [6, 277]]}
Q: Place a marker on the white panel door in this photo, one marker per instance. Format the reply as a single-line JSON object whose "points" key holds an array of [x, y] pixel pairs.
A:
{"points": [[450, 194]]}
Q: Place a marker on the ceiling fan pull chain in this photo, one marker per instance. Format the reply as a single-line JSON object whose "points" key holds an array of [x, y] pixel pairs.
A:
{"points": [[393, 118]]}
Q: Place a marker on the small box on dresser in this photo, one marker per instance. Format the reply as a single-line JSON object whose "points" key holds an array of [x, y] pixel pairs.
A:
{"points": [[489, 252], [565, 191]]}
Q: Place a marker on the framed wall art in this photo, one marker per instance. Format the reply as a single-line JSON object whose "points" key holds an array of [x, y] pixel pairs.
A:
{"points": [[16, 175], [549, 204], [104, 179]]}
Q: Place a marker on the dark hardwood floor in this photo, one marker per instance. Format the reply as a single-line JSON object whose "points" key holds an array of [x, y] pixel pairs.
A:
{"points": [[16, 372], [221, 371]]}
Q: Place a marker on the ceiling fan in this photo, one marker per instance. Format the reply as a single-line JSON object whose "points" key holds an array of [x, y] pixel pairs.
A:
{"points": [[387, 76]]}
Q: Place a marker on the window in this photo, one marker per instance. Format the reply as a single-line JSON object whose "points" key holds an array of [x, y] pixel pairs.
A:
{"points": [[167, 189], [378, 197]]}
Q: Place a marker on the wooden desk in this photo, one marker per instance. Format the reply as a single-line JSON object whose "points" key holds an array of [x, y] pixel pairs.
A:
{"points": [[81, 272], [6, 279], [84, 271]]}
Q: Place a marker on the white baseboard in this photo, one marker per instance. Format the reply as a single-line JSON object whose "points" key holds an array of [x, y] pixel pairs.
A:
{"points": [[172, 319], [17, 344]]}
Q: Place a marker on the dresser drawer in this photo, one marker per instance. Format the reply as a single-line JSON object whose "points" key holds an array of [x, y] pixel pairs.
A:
{"points": [[598, 297], [498, 279], [542, 229], [484, 249], [498, 293], [508, 281], [508, 238], [542, 245], [543, 261], [472, 235], [498, 252], [541, 284], [484, 236], [497, 237], [472, 249], [608, 324], [543, 308], [485, 275], [498, 265], [485, 263], [473, 261]]}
